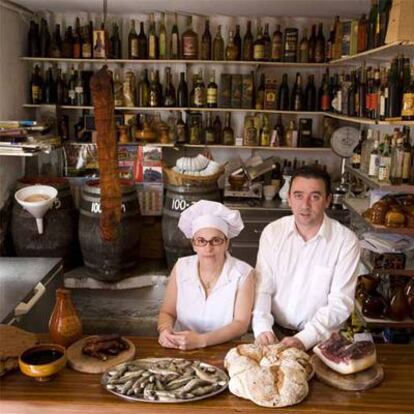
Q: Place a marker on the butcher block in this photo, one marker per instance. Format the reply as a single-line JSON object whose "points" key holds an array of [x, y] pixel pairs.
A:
{"points": [[75, 392]]}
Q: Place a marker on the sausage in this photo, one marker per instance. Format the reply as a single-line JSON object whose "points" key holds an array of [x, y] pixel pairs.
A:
{"points": [[103, 103]]}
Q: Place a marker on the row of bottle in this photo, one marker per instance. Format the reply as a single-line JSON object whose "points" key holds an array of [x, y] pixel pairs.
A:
{"points": [[87, 42], [55, 87], [386, 158], [376, 93]]}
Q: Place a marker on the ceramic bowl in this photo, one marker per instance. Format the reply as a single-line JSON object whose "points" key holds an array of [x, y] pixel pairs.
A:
{"points": [[237, 181], [43, 361]]}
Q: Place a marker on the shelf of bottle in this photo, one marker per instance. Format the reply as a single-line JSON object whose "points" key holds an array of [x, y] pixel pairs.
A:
{"points": [[382, 323], [360, 205], [373, 183], [383, 53], [268, 111], [392, 272], [176, 61], [241, 147]]}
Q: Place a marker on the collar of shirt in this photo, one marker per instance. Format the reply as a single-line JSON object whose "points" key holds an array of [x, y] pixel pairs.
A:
{"points": [[324, 230]]}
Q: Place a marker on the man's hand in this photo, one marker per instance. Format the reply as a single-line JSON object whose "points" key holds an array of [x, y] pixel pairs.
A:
{"points": [[266, 338], [292, 342], [166, 339], [187, 340]]}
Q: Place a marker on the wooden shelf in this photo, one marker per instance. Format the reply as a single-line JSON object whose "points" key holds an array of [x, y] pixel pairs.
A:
{"points": [[383, 323], [354, 119], [382, 53], [393, 272], [373, 183], [359, 205]]}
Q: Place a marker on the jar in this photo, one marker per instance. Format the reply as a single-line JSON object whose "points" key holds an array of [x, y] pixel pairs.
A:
{"points": [[65, 327]]}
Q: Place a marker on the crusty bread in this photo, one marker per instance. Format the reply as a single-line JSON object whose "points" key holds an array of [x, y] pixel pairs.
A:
{"points": [[350, 367], [278, 379]]}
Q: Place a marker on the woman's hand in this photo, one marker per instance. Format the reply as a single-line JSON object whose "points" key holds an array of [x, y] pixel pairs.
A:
{"points": [[166, 339], [187, 340]]}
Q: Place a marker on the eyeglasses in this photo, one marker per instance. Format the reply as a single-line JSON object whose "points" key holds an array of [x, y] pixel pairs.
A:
{"points": [[202, 242]]}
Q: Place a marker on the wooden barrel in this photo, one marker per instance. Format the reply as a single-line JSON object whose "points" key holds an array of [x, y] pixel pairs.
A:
{"points": [[178, 199], [60, 236], [109, 259]]}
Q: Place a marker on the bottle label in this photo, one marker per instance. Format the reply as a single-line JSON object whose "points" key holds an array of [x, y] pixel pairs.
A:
{"points": [[384, 169], [258, 52], [189, 47], [36, 93], [78, 89], [134, 48], [406, 165], [163, 45], [325, 104], [356, 159], [212, 96], [408, 104], [373, 165], [72, 94], [199, 98], [276, 51], [151, 48], [174, 45], [86, 50], [382, 106]]}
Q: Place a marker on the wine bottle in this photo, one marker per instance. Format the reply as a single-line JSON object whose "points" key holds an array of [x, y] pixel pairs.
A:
{"points": [[206, 42], [175, 40], [248, 43], [133, 42], [182, 92]]}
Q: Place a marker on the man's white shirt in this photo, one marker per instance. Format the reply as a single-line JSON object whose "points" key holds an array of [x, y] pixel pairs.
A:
{"points": [[309, 285]]}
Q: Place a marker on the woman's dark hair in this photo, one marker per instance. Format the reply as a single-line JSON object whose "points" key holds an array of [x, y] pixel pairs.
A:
{"points": [[313, 172]]}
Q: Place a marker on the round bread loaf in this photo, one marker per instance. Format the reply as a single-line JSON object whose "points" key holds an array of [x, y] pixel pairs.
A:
{"points": [[270, 376]]}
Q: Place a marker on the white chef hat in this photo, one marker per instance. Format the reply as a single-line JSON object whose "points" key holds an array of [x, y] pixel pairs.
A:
{"points": [[210, 214]]}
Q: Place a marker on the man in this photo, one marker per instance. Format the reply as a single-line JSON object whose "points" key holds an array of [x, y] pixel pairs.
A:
{"points": [[306, 267]]}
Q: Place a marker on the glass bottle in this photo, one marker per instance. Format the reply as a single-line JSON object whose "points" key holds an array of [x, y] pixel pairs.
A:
{"points": [[231, 48], [142, 43], [356, 155], [297, 94], [278, 139], [169, 97], [154, 98], [33, 40], [407, 112], [67, 45], [259, 46], [163, 39], [200, 92], [374, 159], [44, 38], [49, 88], [238, 42], [77, 41], [79, 91], [210, 136], [175, 40], [366, 149], [362, 40], [310, 95], [182, 92], [182, 132], [397, 160], [153, 44], [265, 133], [36, 86], [143, 90], [133, 42], [87, 40], [320, 45], [206, 42], [228, 133], [312, 44], [190, 41], [407, 157], [385, 162], [304, 48], [118, 95], [277, 45], [217, 129], [65, 327], [267, 44], [116, 49], [55, 47], [218, 45], [260, 94], [291, 135], [250, 137], [283, 96], [212, 91], [248, 43]]}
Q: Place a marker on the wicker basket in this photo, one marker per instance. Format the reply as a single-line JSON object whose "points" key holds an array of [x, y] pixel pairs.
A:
{"points": [[174, 178]]}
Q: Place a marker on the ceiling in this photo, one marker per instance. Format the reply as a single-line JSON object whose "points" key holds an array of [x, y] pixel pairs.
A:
{"points": [[257, 8]]}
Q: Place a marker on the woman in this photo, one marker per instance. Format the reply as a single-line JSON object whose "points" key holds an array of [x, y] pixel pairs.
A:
{"points": [[210, 295]]}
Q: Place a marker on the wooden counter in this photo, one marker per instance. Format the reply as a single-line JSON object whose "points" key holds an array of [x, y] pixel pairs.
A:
{"points": [[74, 392]]}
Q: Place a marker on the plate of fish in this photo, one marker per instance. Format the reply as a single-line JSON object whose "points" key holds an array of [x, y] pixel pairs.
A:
{"points": [[164, 380]]}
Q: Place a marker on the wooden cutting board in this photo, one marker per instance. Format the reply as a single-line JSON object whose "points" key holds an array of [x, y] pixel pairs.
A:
{"points": [[85, 363], [360, 381]]}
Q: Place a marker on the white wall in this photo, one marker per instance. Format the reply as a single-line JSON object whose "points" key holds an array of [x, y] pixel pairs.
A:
{"points": [[13, 85]]}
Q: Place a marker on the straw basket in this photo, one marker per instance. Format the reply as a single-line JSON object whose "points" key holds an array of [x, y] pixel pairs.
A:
{"points": [[175, 178]]}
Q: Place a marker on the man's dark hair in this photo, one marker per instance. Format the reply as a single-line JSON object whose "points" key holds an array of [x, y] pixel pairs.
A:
{"points": [[312, 172]]}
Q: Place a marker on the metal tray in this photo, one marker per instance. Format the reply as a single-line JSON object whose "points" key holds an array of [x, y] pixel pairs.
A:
{"points": [[223, 377]]}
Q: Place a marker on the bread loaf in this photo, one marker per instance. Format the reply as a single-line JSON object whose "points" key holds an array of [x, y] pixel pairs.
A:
{"points": [[270, 376]]}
